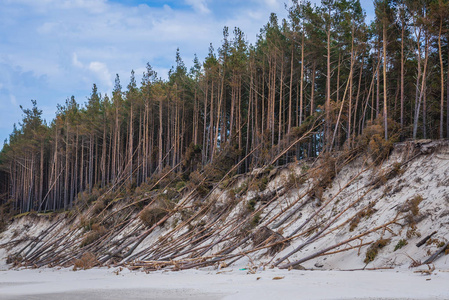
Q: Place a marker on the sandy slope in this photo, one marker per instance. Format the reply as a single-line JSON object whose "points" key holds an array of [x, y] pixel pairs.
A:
{"points": [[226, 284], [427, 176]]}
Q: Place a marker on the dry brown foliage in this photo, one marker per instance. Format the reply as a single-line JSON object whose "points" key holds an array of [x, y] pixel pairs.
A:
{"points": [[197, 182], [373, 139], [96, 232], [87, 261], [323, 176], [150, 215], [266, 236], [364, 213]]}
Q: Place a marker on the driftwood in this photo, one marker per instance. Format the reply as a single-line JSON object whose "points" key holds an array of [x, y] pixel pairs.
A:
{"points": [[424, 240], [426, 272], [314, 237], [434, 256], [323, 251]]}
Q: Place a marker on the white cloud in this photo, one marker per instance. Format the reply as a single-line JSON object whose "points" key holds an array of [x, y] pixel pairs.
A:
{"points": [[41, 6], [76, 62], [47, 28], [102, 72], [13, 100], [271, 3], [199, 6], [62, 47]]}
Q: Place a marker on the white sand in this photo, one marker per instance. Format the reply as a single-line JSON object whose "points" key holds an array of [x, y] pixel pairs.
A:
{"points": [[230, 284]]}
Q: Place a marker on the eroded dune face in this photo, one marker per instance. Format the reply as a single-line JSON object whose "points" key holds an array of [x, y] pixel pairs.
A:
{"points": [[336, 213]]}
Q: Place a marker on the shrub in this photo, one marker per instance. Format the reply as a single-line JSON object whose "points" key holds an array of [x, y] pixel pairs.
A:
{"points": [[87, 261], [413, 230], [197, 182], [98, 207], [6, 213], [250, 206], [86, 223], [413, 204], [379, 148], [223, 161], [365, 213], [192, 158], [94, 195], [97, 232], [180, 185], [3, 226], [400, 244], [294, 180], [255, 220], [259, 184], [241, 189], [373, 139], [373, 250], [323, 176], [150, 215], [264, 235]]}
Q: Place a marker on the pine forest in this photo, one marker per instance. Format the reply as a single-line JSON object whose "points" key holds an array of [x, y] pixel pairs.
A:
{"points": [[321, 81]]}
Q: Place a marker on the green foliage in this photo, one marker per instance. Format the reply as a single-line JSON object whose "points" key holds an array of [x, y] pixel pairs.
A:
{"points": [[250, 206], [255, 220], [241, 189], [294, 180], [400, 244], [373, 250], [180, 185], [205, 120]]}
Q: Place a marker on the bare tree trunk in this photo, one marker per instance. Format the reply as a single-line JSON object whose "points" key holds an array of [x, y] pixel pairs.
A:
{"points": [[160, 136], [447, 96], [204, 153], [402, 73], [289, 126], [350, 89], [328, 91], [301, 83], [422, 90], [281, 102], [130, 142], [378, 83], [385, 75], [41, 176], [66, 179], [440, 54], [220, 99], [357, 99]]}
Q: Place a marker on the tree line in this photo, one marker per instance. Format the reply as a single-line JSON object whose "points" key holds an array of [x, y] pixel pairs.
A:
{"points": [[323, 70]]}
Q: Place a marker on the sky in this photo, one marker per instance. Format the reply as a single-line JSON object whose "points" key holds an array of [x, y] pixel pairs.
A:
{"points": [[53, 49]]}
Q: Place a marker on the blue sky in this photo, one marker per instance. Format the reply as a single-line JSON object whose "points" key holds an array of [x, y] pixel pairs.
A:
{"points": [[53, 49]]}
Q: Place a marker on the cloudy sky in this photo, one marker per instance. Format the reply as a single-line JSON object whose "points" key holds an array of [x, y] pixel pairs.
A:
{"points": [[53, 49]]}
